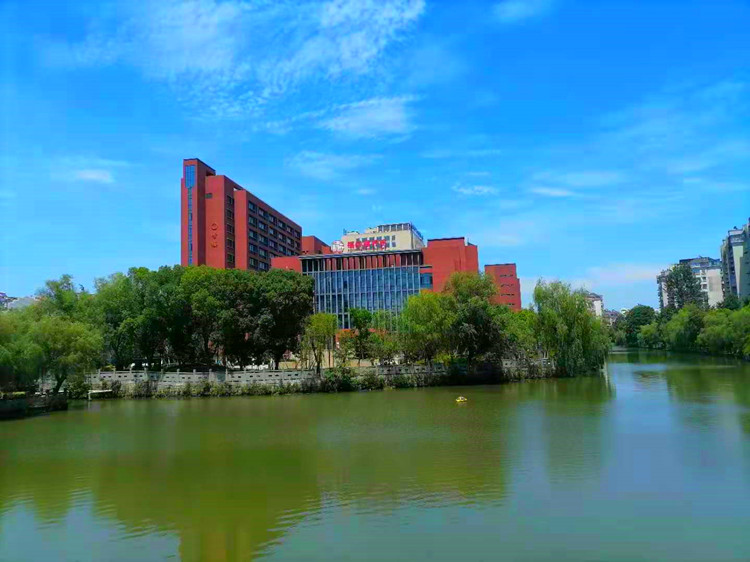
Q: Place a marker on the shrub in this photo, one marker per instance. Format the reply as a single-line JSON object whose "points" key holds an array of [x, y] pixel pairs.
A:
{"points": [[371, 381], [114, 386], [141, 389], [78, 387], [338, 379], [201, 389], [401, 381], [217, 389]]}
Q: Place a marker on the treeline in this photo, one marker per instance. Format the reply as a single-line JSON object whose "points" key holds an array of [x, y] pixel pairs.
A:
{"points": [[462, 325], [198, 317], [719, 331], [180, 316]]}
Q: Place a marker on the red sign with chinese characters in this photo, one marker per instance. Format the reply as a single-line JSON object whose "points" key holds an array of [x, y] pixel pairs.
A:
{"points": [[367, 245]]}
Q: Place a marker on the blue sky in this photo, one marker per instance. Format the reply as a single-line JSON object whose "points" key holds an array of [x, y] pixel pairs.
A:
{"points": [[593, 141]]}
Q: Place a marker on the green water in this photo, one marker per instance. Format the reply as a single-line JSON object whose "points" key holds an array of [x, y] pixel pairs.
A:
{"points": [[650, 463]]}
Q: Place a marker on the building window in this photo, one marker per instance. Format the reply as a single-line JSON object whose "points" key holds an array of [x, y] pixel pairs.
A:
{"points": [[252, 234], [252, 221], [264, 240], [262, 225], [272, 231], [252, 207], [253, 248], [263, 253]]}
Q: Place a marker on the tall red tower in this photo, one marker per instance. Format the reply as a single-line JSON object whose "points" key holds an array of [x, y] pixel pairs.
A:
{"points": [[226, 226]]}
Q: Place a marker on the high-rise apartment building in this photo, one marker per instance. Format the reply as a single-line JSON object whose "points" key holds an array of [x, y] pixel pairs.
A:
{"points": [[226, 226], [706, 270], [735, 262]]}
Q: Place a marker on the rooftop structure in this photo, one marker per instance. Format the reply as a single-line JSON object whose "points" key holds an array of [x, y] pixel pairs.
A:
{"points": [[389, 237]]}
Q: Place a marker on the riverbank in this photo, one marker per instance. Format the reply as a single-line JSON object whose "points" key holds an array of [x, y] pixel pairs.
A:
{"points": [[19, 405], [142, 384]]}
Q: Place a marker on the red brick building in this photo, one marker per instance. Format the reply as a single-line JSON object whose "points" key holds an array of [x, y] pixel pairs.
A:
{"points": [[508, 284], [383, 280], [226, 226]]}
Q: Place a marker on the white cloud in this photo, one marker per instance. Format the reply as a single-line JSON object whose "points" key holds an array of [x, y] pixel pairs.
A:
{"points": [[93, 175], [232, 57], [513, 11], [583, 179], [724, 153], [552, 192], [624, 273], [433, 63], [323, 166], [676, 121], [372, 118], [440, 153], [86, 169], [474, 189]]}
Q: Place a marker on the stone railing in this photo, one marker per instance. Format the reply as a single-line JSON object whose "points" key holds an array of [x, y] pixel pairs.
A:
{"points": [[286, 376]]}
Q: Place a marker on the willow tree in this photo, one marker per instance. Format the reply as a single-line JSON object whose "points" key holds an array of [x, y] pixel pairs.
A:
{"points": [[573, 337], [319, 337]]}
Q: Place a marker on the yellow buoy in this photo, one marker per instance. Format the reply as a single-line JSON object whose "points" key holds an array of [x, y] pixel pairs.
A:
{"points": [[462, 399]]}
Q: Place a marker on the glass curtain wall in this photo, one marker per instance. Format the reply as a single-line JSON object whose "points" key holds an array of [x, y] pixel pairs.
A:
{"points": [[372, 289]]}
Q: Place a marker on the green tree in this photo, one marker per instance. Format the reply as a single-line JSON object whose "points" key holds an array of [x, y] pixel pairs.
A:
{"points": [[683, 288], [201, 289], [518, 334], [730, 302], [114, 310], [240, 339], [319, 336], [384, 347], [361, 322], [650, 336], [288, 302], [61, 297], [682, 330], [66, 347], [425, 325], [474, 330], [20, 357], [716, 336], [572, 336], [638, 316], [464, 285]]}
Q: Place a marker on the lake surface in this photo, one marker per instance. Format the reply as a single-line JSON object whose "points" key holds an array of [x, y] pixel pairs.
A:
{"points": [[651, 462]]}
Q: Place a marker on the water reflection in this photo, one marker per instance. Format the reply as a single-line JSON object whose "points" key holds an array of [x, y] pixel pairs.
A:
{"points": [[234, 479]]}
